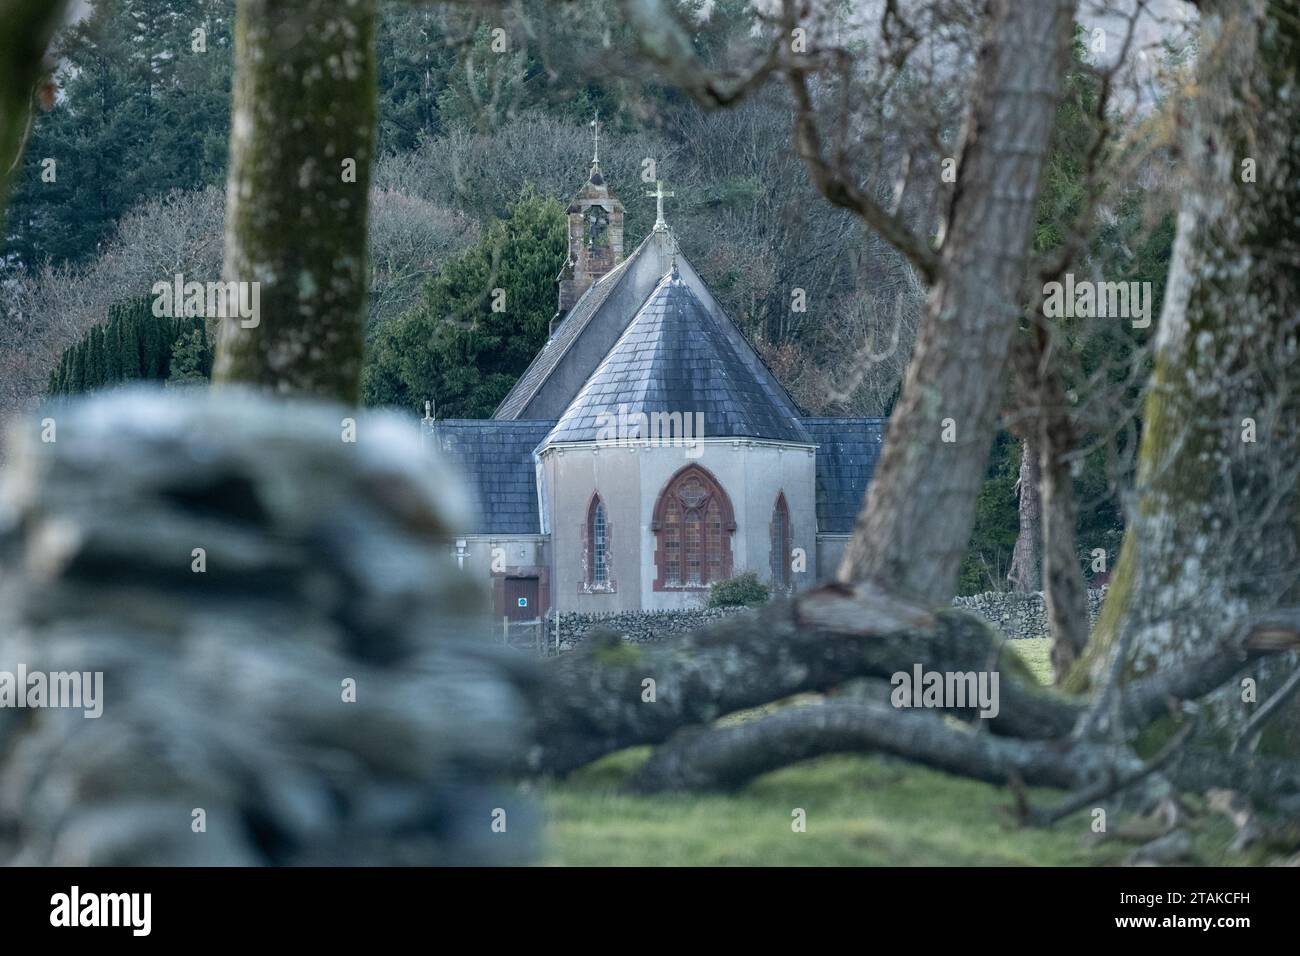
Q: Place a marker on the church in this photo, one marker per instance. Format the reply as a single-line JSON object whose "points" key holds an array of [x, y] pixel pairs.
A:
{"points": [[648, 451]]}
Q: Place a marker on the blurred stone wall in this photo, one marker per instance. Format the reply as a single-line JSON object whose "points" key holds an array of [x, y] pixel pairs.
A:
{"points": [[292, 671]]}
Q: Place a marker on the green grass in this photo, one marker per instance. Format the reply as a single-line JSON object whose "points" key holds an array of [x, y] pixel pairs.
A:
{"points": [[860, 810], [1037, 654]]}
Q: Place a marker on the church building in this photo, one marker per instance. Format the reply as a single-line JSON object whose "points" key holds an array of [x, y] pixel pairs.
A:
{"points": [[648, 452]]}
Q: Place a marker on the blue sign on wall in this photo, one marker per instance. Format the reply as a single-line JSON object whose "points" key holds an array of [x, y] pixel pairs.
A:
{"points": [[523, 602]]}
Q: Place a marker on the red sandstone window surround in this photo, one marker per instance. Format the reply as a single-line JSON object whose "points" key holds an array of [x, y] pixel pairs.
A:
{"points": [[693, 522]]}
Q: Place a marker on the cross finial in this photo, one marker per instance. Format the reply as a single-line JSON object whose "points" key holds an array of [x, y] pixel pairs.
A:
{"points": [[595, 125], [659, 196]]}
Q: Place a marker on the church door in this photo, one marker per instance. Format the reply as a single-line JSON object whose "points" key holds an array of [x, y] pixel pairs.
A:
{"points": [[522, 596]]}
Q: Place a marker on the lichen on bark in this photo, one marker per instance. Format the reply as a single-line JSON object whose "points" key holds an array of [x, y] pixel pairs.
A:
{"points": [[301, 145], [1212, 535]]}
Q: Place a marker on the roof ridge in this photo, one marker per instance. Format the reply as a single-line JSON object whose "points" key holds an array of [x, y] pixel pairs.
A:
{"points": [[676, 349], [621, 271]]}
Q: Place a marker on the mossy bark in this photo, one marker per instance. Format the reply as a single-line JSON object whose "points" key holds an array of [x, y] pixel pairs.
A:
{"points": [[25, 34], [1213, 536], [301, 145]]}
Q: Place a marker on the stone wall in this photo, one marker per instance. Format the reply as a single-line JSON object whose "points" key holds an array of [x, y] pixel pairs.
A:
{"points": [[1020, 615], [279, 631], [636, 626], [1017, 615]]}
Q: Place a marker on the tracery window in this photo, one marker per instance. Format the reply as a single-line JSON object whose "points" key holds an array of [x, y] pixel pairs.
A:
{"points": [[693, 524]]}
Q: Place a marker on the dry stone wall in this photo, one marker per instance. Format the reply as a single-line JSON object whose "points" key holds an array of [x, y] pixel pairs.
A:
{"points": [[1018, 615], [280, 634]]}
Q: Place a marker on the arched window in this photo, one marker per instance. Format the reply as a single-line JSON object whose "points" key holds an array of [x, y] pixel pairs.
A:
{"points": [[693, 522], [597, 544], [780, 559]]}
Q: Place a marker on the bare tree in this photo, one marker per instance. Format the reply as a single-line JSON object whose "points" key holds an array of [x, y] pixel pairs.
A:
{"points": [[1025, 573], [44, 310], [410, 238], [942, 428]]}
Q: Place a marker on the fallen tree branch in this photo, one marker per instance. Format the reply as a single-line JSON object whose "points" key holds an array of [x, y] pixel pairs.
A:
{"points": [[1264, 778], [728, 757], [598, 699], [1267, 710], [1110, 784], [609, 695]]}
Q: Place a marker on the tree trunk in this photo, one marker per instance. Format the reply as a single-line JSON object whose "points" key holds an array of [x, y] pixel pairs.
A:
{"points": [[1047, 416], [1213, 536], [301, 144], [1024, 573], [1064, 591], [914, 530], [29, 26]]}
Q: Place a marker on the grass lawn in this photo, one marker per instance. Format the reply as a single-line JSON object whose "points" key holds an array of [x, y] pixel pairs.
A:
{"points": [[860, 810]]}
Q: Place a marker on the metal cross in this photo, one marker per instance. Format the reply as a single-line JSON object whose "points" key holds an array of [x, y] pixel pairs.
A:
{"points": [[659, 195]]}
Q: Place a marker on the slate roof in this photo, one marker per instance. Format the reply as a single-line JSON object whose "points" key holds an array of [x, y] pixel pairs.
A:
{"points": [[571, 327], [496, 459], [847, 452], [676, 357]]}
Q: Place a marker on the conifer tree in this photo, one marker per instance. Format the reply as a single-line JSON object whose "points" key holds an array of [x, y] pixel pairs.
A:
{"points": [[133, 344], [191, 359], [483, 318], [77, 376]]}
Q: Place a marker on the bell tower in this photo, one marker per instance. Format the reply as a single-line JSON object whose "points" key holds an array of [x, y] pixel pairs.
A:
{"points": [[595, 233]]}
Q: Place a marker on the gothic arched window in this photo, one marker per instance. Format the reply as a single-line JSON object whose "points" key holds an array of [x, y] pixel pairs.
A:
{"points": [[780, 559], [597, 544], [693, 522]]}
